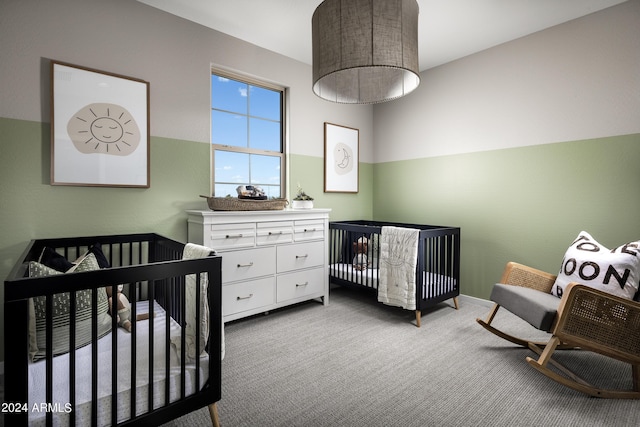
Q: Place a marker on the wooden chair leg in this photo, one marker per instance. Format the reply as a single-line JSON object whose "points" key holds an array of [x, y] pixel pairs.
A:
{"points": [[455, 303], [213, 412], [486, 323], [558, 365], [492, 313], [546, 354]]}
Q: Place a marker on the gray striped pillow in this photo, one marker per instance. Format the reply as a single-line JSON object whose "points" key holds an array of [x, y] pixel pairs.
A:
{"points": [[61, 309]]}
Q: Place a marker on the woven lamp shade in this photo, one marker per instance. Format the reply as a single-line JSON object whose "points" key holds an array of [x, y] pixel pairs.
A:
{"points": [[365, 51]]}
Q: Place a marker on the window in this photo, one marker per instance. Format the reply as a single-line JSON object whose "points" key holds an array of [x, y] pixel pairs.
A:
{"points": [[247, 135]]}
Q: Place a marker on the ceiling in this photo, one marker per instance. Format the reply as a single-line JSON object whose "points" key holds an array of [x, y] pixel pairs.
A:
{"points": [[448, 29]]}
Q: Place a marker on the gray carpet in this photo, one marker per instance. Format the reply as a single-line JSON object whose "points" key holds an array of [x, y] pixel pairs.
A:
{"points": [[359, 363]]}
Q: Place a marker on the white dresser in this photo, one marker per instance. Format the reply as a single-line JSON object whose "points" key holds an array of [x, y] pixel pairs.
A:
{"points": [[270, 259]]}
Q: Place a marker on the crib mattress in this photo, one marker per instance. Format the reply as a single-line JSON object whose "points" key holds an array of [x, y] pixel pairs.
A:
{"points": [[82, 407], [369, 277]]}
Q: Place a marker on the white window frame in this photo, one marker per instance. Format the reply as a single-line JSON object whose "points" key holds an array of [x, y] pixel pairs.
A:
{"points": [[283, 131]]}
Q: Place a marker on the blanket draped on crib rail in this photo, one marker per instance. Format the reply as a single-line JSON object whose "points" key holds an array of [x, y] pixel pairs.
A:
{"points": [[193, 251], [398, 262]]}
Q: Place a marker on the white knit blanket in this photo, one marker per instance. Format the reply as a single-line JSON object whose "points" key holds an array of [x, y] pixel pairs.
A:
{"points": [[398, 261], [193, 251]]}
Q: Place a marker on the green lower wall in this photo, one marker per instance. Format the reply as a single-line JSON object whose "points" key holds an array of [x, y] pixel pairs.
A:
{"points": [[31, 208], [521, 204], [308, 171]]}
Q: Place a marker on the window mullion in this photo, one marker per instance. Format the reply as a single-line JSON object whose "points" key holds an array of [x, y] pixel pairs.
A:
{"points": [[249, 122]]}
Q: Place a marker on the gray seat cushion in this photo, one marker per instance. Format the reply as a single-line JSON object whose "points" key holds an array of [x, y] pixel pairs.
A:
{"points": [[536, 307]]}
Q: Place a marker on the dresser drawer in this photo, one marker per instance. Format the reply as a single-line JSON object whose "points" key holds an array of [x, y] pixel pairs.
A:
{"points": [[230, 236], [308, 230], [248, 264], [276, 232], [300, 284], [249, 295], [300, 255]]}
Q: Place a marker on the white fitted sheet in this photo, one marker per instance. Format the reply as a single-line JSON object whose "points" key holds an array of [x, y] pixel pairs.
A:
{"points": [[82, 409], [369, 277]]}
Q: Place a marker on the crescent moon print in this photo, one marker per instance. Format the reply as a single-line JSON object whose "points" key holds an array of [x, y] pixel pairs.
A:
{"points": [[342, 158], [105, 129]]}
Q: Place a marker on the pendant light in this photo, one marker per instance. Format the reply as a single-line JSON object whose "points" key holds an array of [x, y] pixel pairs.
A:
{"points": [[365, 51]]}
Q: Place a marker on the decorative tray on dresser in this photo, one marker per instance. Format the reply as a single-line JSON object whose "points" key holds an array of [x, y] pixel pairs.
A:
{"points": [[270, 259]]}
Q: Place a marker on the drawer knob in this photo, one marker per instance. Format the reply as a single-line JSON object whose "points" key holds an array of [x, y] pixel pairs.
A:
{"points": [[233, 236], [246, 297], [300, 285], [302, 256], [271, 233], [245, 265], [309, 230]]}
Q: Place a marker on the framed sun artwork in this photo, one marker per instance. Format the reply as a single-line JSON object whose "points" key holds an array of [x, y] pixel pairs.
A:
{"points": [[99, 128], [341, 159]]}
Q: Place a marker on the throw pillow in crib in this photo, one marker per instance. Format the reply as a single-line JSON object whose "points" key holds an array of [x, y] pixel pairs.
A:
{"points": [[53, 259], [61, 313]]}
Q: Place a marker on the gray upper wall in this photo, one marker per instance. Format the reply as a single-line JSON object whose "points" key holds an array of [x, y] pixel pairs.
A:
{"points": [[173, 54], [509, 95], [575, 81]]}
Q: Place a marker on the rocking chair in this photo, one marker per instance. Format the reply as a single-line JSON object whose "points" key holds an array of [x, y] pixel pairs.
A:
{"points": [[584, 318]]}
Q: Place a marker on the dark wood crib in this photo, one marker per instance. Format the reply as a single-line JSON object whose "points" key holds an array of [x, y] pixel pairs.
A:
{"points": [[437, 266], [143, 377]]}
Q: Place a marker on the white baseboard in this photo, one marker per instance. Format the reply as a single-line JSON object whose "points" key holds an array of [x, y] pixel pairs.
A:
{"points": [[476, 300]]}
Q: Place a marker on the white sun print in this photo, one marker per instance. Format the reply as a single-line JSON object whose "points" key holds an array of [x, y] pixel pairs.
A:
{"points": [[105, 129], [342, 159]]}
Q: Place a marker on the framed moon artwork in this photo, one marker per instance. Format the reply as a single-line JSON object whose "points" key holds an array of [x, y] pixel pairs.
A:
{"points": [[341, 159], [99, 128]]}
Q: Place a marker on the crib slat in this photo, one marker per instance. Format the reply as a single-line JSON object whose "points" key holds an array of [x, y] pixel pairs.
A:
{"points": [[49, 356], [419, 275], [94, 359], [167, 341], [140, 257], [133, 301], [183, 333], [114, 352], [72, 355], [110, 254]]}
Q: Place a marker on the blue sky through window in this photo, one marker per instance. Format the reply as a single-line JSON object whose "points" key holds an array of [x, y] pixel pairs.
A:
{"points": [[247, 117]]}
